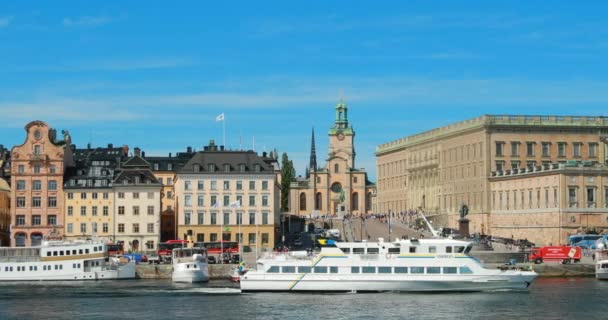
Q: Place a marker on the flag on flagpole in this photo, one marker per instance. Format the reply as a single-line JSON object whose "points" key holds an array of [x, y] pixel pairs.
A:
{"points": [[216, 205], [236, 204], [220, 117]]}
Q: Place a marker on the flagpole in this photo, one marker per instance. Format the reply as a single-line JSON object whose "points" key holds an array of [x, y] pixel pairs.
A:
{"points": [[222, 238], [224, 130]]}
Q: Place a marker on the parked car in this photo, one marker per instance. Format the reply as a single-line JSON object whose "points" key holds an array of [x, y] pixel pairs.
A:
{"points": [[298, 242], [211, 260]]}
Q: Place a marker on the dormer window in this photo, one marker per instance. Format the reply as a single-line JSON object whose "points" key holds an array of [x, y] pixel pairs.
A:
{"points": [[37, 150], [242, 167], [136, 180], [169, 166], [156, 166], [226, 168], [125, 182], [256, 168], [197, 168], [211, 167]]}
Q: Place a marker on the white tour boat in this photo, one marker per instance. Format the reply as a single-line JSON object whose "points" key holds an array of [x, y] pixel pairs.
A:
{"points": [[59, 260], [601, 260], [404, 265], [190, 265]]}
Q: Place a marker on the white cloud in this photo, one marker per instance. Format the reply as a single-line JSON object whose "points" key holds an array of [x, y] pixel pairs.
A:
{"points": [[114, 65], [86, 21], [5, 21]]}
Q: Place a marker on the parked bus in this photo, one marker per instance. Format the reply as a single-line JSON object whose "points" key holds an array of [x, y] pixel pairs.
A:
{"points": [[216, 247], [115, 249], [585, 241], [165, 248]]}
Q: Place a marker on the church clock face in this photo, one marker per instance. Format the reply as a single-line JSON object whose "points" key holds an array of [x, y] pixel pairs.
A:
{"points": [[340, 136], [336, 187]]}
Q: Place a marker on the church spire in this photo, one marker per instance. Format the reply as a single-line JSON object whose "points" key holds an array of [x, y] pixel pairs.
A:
{"points": [[341, 115], [312, 166]]}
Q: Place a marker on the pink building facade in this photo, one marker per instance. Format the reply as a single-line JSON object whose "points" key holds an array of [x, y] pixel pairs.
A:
{"points": [[37, 170]]}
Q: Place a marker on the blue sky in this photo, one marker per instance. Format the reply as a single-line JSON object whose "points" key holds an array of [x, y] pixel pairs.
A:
{"points": [[156, 74]]}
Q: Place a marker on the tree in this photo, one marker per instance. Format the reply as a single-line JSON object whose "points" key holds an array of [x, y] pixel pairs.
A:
{"points": [[288, 175]]}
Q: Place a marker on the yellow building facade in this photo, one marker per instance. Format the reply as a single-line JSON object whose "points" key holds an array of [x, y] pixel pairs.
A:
{"points": [[89, 213]]}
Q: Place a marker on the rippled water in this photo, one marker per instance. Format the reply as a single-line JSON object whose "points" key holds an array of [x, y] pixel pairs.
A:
{"points": [[576, 298]]}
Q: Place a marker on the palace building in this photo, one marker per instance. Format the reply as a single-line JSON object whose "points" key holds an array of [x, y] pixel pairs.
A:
{"points": [[338, 187]]}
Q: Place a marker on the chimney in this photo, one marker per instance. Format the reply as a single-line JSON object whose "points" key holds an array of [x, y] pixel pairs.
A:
{"points": [[169, 154], [110, 146], [118, 162], [189, 149], [264, 154], [221, 148], [143, 154], [89, 146], [137, 151], [125, 150]]}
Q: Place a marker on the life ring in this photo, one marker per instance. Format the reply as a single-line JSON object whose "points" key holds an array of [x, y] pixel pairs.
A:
{"points": [[388, 256]]}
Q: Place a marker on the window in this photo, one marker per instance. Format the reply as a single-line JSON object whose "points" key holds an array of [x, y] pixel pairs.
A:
{"points": [[358, 250], [150, 244], [417, 270], [214, 201], [201, 217], [302, 269], [36, 220], [70, 210], [319, 269], [530, 165], [572, 199], [577, 149], [385, 270], [51, 220], [121, 210], [302, 201], [187, 185], [412, 249], [561, 149], [213, 218], [368, 269], [264, 217], [265, 201], [226, 217], [135, 195], [70, 228], [499, 151], [592, 150], [252, 200], [336, 168], [36, 202], [530, 149], [226, 201], [150, 227], [83, 195], [500, 165], [213, 237], [37, 150], [187, 217], [20, 184], [52, 202], [150, 195], [226, 185], [121, 227], [135, 210], [265, 238], [264, 185], [21, 168], [354, 269], [214, 185], [251, 185], [136, 228], [239, 185], [450, 270], [590, 197], [465, 270], [150, 210], [433, 270], [400, 269], [169, 195], [36, 185], [20, 220], [83, 210], [94, 211], [239, 218], [226, 168], [105, 228], [515, 149], [37, 168], [273, 269], [514, 165], [200, 185], [546, 149], [432, 249], [121, 195], [252, 238], [83, 227], [251, 217], [200, 237], [188, 200], [106, 211]]}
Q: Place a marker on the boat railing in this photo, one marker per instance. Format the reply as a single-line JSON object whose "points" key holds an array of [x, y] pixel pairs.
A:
{"points": [[289, 256], [19, 258]]}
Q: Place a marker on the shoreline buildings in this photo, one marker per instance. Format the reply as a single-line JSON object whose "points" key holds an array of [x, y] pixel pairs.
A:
{"points": [[534, 177]]}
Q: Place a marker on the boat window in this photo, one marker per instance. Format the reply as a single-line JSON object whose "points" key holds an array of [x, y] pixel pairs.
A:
{"points": [[459, 249], [320, 269], [345, 250], [74, 252], [61, 253], [48, 253], [288, 269], [54, 253], [94, 249], [394, 250], [354, 269], [417, 270], [384, 269], [333, 269], [450, 270], [368, 269], [433, 270], [373, 250], [79, 251], [86, 251], [432, 249], [304, 269], [67, 252], [358, 250], [273, 269], [412, 249], [100, 248], [468, 249], [604, 265], [400, 269], [465, 270], [448, 249]]}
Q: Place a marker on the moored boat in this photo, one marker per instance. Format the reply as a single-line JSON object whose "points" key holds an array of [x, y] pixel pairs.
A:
{"points": [[404, 265], [601, 260], [190, 265], [63, 260]]}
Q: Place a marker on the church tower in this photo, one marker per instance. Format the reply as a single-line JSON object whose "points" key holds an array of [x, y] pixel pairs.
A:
{"points": [[312, 165], [341, 140]]}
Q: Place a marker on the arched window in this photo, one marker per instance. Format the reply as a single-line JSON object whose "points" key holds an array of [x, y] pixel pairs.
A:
{"points": [[336, 168], [355, 201], [20, 239], [368, 201], [36, 239], [302, 201], [318, 201]]}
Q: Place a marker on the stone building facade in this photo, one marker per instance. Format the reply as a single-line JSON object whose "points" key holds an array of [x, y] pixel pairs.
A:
{"points": [[5, 213], [442, 169], [230, 196], [338, 187], [37, 169]]}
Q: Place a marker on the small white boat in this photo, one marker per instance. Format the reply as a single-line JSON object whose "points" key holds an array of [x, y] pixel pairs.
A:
{"points": [[601, 261], [63, 260], [190, 265]]}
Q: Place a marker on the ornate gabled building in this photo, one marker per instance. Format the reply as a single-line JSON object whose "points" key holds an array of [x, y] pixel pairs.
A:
{"points": [[339, 187], [37, 169], [5, 213], [229, 195], [137, 205], [165, 169], [89, 197]]}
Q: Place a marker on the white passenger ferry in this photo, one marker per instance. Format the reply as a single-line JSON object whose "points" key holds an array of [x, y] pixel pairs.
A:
{"points": [[190, 265], [404, 265], [601, 260], [58, 260]]}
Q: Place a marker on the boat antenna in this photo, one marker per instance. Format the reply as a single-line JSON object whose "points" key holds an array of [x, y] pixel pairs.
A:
{"points": [[433, 231]]}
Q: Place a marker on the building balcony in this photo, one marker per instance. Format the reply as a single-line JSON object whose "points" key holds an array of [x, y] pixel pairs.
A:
{"points": [[38, 157]]}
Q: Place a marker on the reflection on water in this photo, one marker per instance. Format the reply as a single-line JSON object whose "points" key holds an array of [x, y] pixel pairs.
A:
{"points": [[558, 298]]}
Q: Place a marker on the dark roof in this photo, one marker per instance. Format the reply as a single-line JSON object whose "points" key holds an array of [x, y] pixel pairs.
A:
{"points": [[201, 161], [145, 176], [136, 162], [94, 168], [170, 163]]}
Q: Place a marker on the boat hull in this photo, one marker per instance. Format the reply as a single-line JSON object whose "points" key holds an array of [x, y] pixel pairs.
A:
{"points": [[186, 273], [601, 270], [125, 271]]}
